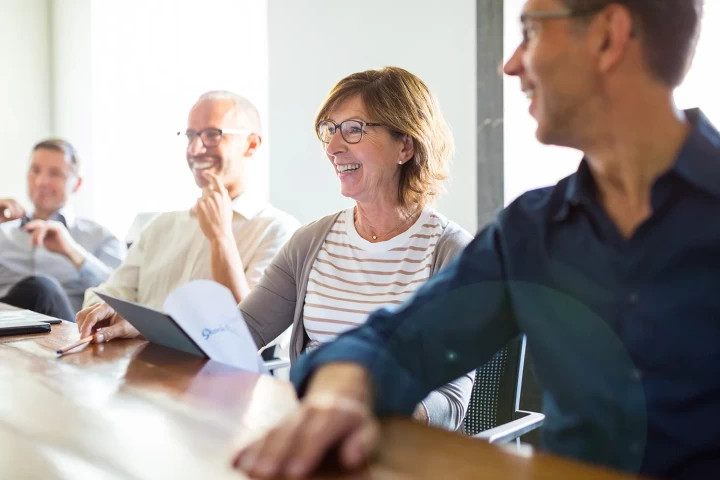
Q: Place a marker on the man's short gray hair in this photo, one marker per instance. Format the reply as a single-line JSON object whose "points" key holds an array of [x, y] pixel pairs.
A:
{"points": [[62, 146], [246, 113]]}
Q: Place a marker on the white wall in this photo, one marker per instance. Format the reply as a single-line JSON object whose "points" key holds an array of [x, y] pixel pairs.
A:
{"points": [[72, 88], [134, 70], [24, 89], [700, 86], [314, 43]]}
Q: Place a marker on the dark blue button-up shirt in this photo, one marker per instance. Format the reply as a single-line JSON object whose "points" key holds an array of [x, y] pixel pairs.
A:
{"points": [[625, 334]]}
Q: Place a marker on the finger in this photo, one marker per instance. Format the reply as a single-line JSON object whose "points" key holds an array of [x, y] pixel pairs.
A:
{"points": [[206, 192], [199, 208], [80, 317], [54, 226], [121, 329], [267, 457], [41, 234], [360, 446], [93, 315], [207, 207], [99, 336], [256, 460], [16, 209], [36, 237], [215, 182], [86, 319], [210, 201], [34, 225], [315, 439], [194, 209], [19, 210]]}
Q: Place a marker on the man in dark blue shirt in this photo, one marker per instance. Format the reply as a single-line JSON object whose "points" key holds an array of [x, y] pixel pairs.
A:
{"points": [[611, 274]]}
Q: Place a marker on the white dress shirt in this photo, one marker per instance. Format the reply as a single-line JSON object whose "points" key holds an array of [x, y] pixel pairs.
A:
{"points": [[18, 260], [172, 251]]}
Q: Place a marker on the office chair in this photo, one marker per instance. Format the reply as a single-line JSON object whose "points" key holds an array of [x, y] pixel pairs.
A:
{"points": [[494, 413]]}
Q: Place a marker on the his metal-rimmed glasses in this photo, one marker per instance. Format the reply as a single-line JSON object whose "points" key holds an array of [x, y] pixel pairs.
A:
{"points": [[351, 130], [527, 17], [211, 137]]}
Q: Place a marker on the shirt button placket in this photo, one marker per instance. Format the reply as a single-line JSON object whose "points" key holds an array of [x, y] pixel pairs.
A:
{"points": [[633, 298]]}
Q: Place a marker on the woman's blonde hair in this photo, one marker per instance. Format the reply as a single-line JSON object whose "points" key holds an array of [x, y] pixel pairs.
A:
{"points": [[402, 102]]}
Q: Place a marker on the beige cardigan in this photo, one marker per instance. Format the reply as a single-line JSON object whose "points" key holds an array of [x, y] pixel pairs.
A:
{"points": [[272, 305]]}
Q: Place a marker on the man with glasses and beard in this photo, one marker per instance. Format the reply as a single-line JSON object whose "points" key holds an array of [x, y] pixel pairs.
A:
{"points": [[229, 236]]}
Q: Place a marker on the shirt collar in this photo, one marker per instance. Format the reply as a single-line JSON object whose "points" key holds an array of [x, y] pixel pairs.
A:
{"points": [[697, 162], [249, 205], [579, 187], [699, 159], [65, 215]]}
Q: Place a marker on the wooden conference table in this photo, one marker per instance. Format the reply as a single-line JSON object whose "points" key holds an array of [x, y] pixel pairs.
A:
{"points": [[132, 410]]}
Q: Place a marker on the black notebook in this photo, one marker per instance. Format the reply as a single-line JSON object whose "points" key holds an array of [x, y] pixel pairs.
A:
{"points": [[23, 327]]}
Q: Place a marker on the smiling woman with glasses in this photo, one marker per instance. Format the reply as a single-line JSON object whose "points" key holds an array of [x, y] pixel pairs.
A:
{"points": [[388, 145]]}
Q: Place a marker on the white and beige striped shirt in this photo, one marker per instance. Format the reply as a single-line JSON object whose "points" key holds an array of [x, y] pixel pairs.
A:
{"points": [[352, 277]]}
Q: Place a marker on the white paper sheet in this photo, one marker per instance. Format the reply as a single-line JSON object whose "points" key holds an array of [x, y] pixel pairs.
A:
{"points": [[208, 313], [14, 315]]}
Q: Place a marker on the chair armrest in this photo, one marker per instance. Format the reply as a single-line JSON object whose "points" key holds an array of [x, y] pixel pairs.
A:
{"points": [[512, 430], [276, 363]]}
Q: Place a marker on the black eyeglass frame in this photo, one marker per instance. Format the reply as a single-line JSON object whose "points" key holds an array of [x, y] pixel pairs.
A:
{"points": [[338, 126], [191, 134], [559, 13]]}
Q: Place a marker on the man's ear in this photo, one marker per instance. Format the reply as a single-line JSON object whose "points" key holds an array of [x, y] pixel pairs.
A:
{"points": [[254, 141], [616, 32], [77, 184]]}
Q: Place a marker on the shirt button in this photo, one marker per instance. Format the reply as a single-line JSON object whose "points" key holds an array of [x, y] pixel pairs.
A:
{"points": [[633, 298], [636, 374]]}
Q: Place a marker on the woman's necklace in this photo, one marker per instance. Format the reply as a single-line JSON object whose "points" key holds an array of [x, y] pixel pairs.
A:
{"points": [[375, 236]]}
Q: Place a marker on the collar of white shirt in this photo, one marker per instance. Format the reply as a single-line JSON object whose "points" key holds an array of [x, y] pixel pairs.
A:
{"points": [[65, 215], [249, 204]]}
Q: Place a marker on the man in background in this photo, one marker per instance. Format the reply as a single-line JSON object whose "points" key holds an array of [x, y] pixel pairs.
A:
{"points": [[48, 256], [230, 236]]}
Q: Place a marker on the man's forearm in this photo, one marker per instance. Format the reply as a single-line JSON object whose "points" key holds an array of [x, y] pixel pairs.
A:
{"points": [[227, 267], [76, 256]]}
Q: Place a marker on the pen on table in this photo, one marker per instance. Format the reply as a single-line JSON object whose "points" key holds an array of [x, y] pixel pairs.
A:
{"points": [[82, 341]]}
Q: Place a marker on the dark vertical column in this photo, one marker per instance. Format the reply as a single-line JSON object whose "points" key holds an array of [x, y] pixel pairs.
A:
{"points": [[489, 110], [490, 151]]}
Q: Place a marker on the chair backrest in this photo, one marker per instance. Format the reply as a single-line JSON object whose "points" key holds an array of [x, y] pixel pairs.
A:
{"points": [[496, 393]]}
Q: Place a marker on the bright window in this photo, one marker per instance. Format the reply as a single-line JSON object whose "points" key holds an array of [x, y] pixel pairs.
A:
{"points": [[148, 62]]}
